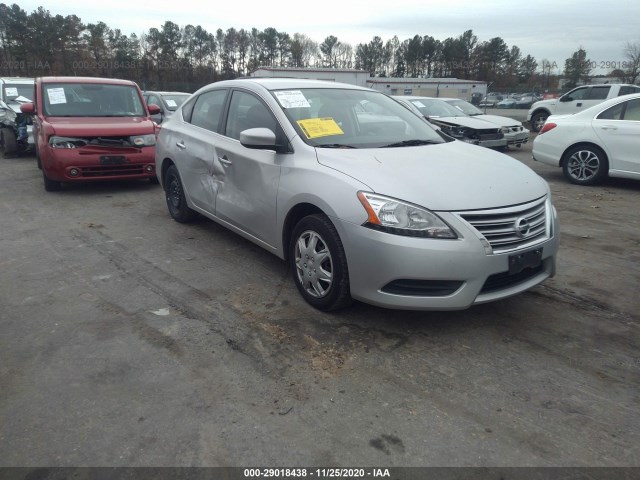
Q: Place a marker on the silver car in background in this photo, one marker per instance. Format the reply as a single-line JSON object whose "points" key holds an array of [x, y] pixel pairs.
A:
{"points": [[372, 204]]}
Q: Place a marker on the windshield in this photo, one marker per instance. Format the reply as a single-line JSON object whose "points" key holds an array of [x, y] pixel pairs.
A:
{"points": [[15, 90], [346, 118], [433, 107], [465, 107], [173, 101], [92, 100]]}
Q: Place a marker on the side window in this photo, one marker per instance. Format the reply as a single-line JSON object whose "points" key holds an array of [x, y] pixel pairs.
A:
{"points": [[627, 89], [207, 110], [153, 100], [613, 113], [599, 93], [633, 110], [578, 93], [247, 111]]}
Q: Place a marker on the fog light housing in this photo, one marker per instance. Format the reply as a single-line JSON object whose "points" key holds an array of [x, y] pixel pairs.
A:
{"points": [[149, 168], [74, 172]]}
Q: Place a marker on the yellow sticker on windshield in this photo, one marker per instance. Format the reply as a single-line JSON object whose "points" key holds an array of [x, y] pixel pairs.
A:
{"points": [[320, 127]]}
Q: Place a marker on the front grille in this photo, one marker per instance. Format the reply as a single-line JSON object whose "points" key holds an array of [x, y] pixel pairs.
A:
{"points": [[422, 288], [111, 170], [503, 280], [491, 136], [511, 228]]}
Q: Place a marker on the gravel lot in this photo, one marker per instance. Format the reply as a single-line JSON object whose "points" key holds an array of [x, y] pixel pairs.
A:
{"points": [[129, 339]]}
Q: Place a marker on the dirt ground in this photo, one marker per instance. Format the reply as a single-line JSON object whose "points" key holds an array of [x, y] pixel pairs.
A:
{"points": [[129, 340]]}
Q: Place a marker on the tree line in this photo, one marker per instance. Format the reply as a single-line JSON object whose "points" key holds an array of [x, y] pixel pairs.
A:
{"points": [[185, 58]]}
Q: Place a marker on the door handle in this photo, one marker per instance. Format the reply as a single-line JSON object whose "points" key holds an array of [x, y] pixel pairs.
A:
{"points": [[225, 160], [181, 145], [608, 127], [579, 104]]}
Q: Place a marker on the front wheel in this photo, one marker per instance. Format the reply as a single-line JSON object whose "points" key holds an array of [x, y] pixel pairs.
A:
{"points": [[537, 121], [50, 185], [319, 264], [585, 165], [176, 201], [9, 142]]}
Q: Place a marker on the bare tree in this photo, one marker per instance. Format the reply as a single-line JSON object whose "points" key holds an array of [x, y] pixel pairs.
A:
{"points": [[632, 61]]}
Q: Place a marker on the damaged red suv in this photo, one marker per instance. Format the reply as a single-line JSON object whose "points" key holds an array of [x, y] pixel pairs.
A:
{"points": [[91, 129]]}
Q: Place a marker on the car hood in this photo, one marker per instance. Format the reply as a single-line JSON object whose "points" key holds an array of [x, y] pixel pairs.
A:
{"points": [[103, 126], [498, 120], [448, 176], [470, 122]]}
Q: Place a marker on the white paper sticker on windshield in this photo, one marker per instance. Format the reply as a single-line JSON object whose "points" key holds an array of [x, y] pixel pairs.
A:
{"points": [[11, 91], [419, 104], [172, 103], [292, 99], [56, 96]]}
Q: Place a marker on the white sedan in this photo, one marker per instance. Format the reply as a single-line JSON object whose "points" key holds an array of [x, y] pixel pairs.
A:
{"points": [[600, 141]]}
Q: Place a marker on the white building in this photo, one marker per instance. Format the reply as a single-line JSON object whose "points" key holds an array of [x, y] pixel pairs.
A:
{"points": [[429, 87], [344, 75]]}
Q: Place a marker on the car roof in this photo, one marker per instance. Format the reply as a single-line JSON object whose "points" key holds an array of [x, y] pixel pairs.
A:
{"points": [[156, 92], [17, 80], [286, 83], [96, 80]]}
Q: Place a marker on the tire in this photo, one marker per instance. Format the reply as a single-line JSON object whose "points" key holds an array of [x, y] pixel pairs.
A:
{"points": [[9, 142], [319, 264], [51, 185], [537, 121], [585, 165], [174, 194]]}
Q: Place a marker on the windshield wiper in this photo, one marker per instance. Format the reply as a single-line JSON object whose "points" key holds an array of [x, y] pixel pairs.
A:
{"points": [[411, 143], [335, 145]]}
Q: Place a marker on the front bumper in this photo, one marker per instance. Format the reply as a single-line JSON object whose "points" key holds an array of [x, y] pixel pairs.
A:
{"points": [[501, 142], [73, 165], [518, 138], [377, 259]]}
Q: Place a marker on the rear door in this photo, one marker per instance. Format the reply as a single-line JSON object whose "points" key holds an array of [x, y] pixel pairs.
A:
{"points": [[619, 129], [193, 140]]}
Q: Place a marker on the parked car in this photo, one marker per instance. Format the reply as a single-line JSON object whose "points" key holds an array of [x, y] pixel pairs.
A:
{"points": [[601, 141], [515, 134], [16, 134], [455, 122], [168, 102], [526, 100], [89, 129], [400, 218], [575, 101], [506, 103], [491, 100]]}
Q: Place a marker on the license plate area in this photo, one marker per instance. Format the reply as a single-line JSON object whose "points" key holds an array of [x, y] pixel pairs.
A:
{"points": [[520, 261], [112, 160]]}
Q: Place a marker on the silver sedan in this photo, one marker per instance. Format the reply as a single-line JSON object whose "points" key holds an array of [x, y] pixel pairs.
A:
{"points": [[368, 204]]}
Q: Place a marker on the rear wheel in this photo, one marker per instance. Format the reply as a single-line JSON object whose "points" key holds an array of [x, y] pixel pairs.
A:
{"points": [[537, 121], [585, 165], [319, 264], [176, 201]]}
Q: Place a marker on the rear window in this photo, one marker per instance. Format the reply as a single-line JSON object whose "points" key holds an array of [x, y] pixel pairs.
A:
{"points": [[627, 89], [91, 100]]}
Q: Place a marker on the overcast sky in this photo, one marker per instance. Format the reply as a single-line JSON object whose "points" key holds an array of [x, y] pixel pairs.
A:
{"points": [[546, 29]]}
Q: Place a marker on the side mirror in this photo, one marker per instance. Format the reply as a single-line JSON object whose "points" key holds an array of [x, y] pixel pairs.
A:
{"points": [[258, 139], [154, 109], [566, 98], [27, 108]]}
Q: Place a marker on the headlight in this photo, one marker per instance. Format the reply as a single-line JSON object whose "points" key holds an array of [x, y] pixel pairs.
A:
{"points": [[401, 218], [143, 140], [505, 130], [66, 142]]}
